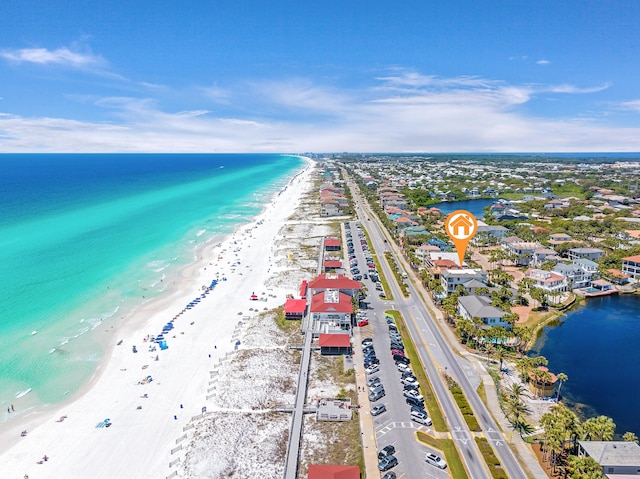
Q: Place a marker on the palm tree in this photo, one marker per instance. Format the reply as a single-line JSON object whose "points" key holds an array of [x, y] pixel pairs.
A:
{"points": [[630, 437], [501, 355], [584, 468], [562, 377], [599, 428]]}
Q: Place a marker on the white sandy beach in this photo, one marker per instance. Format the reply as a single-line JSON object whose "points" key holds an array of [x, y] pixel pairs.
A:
{"points": [[144, 429]]}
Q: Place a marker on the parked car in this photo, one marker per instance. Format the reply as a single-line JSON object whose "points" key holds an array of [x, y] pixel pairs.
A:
{"points": [[414, 402], [397, 351], [406, 373], [386, 451], [412, 393], [387, 463], [411, 387], [362, 322], [409, 380], [378, 409], [374, 368], [420, 418], [367, 341], [400, 358], [435, 460], [373, 380], [381, 295], [375, 396], [390, 319], [419, 409], [389, 475], [402, 366]]}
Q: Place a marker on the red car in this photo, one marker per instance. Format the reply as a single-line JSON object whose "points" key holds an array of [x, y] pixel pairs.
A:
{"points": [[363, 322], [397, 351]]}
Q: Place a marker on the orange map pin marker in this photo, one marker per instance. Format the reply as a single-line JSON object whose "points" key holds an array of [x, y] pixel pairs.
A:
{"points": [[461, 226]]}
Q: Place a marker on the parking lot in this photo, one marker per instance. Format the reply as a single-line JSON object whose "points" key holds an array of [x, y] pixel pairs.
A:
{"points": [[396, 425]]}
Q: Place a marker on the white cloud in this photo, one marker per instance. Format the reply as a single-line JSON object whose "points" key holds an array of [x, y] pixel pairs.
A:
{"points": [[543, 62], [403, 112], [574, 89], [61, 56], [633, 105]]}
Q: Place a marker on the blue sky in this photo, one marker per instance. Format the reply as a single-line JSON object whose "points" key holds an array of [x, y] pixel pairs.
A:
{"points": [[291, 76]]}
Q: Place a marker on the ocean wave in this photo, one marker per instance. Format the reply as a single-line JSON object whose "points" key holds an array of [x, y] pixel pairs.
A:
{"points": [[21, 394], [201, 232], [34, 332]]}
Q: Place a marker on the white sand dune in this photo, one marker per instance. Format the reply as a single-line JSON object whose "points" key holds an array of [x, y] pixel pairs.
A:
{"points": [[144, 429]]}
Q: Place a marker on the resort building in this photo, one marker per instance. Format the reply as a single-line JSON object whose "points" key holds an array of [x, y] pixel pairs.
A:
{"points": [[631, 266], [474, 306], [615, 457], [334, 281], [549, 281]]}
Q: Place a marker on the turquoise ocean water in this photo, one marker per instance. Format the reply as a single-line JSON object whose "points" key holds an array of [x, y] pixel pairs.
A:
{"points": [[84, 237]]}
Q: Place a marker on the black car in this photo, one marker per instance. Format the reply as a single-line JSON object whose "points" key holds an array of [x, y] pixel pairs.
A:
{"points": [[411, 387], [387, 463], [399, 358], [386, 451], [371, 362], [419, 409], [415, 402]]}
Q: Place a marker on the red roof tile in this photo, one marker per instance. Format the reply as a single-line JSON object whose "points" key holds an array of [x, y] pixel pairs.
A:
{"points": [[295, 306], [334, 341], [335, 281], [318, 304]]}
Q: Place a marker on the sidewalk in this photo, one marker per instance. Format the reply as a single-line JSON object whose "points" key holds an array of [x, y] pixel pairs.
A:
{"points": [[367, 428], [524, 453]]}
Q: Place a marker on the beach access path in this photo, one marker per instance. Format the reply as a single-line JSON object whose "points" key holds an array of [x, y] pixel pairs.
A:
{"points": [[147, 401]]}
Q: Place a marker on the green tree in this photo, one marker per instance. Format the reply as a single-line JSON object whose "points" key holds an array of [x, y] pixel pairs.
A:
{"points": [[630, 437], [599, 428], [583, 468], [563, 378]]}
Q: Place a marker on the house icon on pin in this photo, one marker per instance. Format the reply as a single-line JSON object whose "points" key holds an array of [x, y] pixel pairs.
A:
{"points": [[461, 227]]}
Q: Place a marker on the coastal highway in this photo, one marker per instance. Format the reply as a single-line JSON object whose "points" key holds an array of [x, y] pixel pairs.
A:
{"points": [[437, 356]]}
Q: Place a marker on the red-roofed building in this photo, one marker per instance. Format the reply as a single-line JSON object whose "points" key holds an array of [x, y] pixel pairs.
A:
{"points": [[332, 244], [340, 282], [631, 266], [326, 471], [303, 289], [339, 343], [331, 311], [295, 308], [332, 265]]}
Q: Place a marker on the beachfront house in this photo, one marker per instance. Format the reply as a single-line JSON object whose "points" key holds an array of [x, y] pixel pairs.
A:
{"points": [[451, 278], [332, 244], [339, 282], [330, 312], [615, 457], [474, 306], [334, 344], [631, 266]]}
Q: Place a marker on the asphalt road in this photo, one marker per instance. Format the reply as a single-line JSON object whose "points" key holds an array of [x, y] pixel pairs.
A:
{"points": [[436, 354]]}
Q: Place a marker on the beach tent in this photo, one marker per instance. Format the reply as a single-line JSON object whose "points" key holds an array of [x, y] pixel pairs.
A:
{"points": [[163, 344]]}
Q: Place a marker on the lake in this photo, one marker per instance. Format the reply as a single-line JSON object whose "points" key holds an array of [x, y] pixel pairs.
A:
{"points": [[475, 207], [597, 347]]}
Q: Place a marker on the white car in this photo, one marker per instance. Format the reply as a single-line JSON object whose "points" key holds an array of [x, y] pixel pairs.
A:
{"points": [[409, 380], [372, 369], [435, 460], [403, 367], [420, 418], [413, 394]]}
